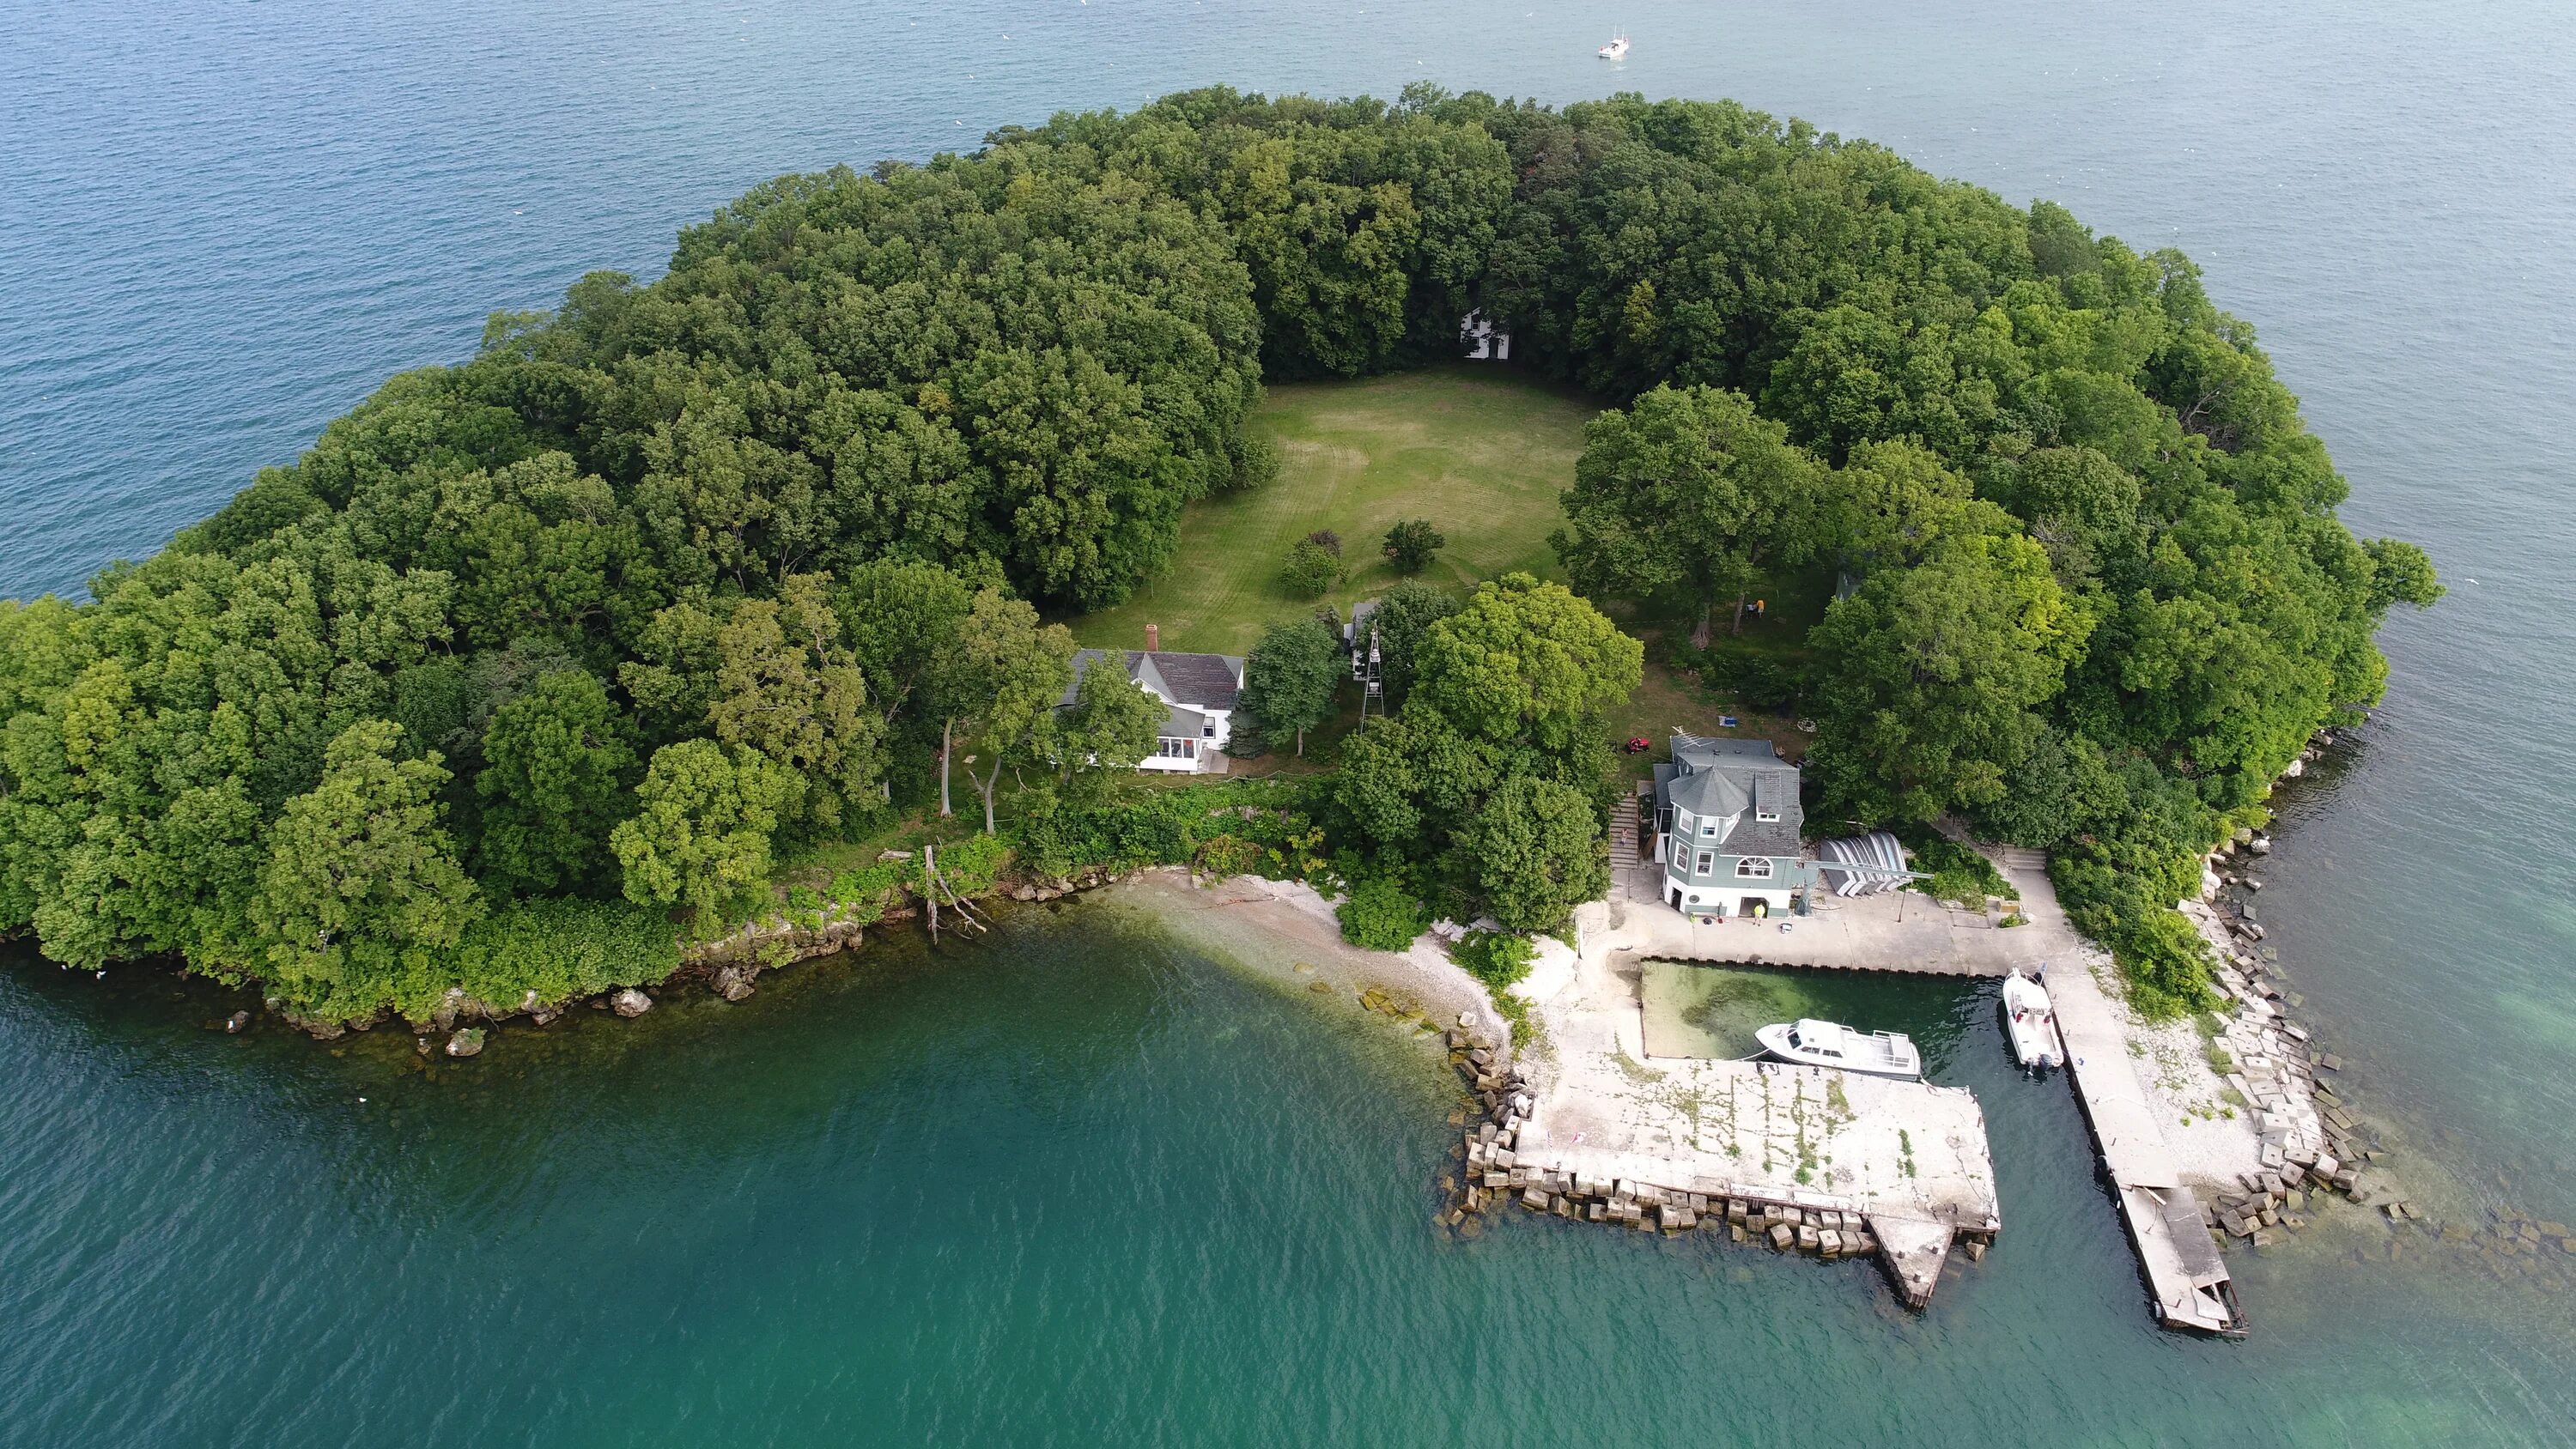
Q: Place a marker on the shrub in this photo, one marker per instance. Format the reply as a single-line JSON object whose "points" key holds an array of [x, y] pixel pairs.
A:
{"points": [[1752, 680], [1255, 459], [1150, 825], [1959, 872], [1497, 958], [1381, 914], [2166, 963], [560, 949], [1327, 540], [1410, 545], [866, 894], [1311, 570], [1229, 855], [970, 867]]}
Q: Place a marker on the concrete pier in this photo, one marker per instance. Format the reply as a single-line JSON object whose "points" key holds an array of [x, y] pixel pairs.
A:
{"points": [[2186, 1278], [1907, 1160]]}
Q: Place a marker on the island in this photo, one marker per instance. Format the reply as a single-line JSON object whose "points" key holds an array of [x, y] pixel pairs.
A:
{"points": [[935, 532]]}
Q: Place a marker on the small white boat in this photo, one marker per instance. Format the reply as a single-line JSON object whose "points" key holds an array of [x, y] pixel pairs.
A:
{"points": [[2032, 1024], [1617, 48], [1810, 1043]]}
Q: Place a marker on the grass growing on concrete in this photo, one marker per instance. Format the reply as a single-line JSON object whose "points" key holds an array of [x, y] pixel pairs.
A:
{"points": [[1483, 454]]}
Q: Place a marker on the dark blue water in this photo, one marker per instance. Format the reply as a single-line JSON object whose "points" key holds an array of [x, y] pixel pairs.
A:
{"points": [[1047, 1199]]}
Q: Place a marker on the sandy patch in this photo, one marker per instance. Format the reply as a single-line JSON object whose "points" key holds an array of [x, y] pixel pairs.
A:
{"points": [[1288, 928]]}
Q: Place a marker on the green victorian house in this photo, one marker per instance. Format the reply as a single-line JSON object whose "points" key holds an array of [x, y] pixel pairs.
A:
{"points": [[1727, 828]]}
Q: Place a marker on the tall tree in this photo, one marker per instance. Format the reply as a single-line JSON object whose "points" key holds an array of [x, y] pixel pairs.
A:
{"points": [[1929, 678], [786, 687], [1689, 492], [1111, 725], [556, 764], [362, 885], [1527, 660], [1534, 852], [1289, 678], [998, 689], [1403, 616], [701, 839]]}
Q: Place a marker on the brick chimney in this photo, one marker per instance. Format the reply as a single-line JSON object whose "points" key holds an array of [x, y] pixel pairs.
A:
{"points": [[1153, 638]]}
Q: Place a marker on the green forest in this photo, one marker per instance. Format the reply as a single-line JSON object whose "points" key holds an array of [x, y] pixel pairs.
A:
{"points": [[535, 664]]}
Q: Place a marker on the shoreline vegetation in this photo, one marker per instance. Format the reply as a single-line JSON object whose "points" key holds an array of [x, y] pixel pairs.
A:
{"points": [[730, 597]]}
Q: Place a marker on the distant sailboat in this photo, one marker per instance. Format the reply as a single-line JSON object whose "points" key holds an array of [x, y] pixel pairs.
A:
{"points": [[1617, 49]]}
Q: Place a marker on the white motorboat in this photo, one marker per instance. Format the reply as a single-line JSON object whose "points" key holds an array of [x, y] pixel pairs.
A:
{"points": [[1811, 1043], [2031, 1022], [1617, 48]]}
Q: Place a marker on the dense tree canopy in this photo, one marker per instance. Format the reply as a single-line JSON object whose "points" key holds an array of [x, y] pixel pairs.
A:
{"points": [[688, 572], [1492, 782]]}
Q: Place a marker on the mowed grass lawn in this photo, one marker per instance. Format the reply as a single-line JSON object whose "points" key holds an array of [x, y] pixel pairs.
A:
{"points": [[1482, 453]]}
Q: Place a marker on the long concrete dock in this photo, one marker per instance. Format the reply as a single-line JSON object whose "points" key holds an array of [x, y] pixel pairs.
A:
{"points": [[2186, 1278]]}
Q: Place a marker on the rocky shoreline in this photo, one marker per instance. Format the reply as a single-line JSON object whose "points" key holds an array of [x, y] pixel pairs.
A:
{"points": [[2290, 1079], [728, 966]]}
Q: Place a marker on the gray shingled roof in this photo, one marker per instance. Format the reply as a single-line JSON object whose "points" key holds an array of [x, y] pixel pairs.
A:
{"points": [[1710, 792], [1725, 777], [1206, 681]]}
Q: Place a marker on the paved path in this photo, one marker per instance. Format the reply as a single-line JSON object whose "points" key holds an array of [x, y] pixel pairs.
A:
{"points": [[1899, 931]]}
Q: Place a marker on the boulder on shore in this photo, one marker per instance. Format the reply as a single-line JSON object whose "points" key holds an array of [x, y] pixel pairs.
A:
{"points": [[630, 1003], [466, 1042]]}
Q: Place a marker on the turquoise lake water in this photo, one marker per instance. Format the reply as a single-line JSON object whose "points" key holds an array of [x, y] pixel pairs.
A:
{"points": [[1086, 1184]]}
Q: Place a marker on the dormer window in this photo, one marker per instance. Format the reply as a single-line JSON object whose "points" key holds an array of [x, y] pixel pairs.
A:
{"points": [[1760, 814]]}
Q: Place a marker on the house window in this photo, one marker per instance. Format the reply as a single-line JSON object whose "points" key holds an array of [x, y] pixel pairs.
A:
{"points": [[1766, 814], [1753, 867], [1209, 731], [1709, 830], [1171, 749], [1707, 858]]}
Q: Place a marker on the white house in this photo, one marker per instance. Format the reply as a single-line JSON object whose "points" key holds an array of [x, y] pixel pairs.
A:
{"points": [[1484, 341], [1200, 690]]}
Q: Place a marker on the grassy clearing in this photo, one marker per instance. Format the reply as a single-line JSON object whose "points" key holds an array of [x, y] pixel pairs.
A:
{"points": [[1482, 453]]}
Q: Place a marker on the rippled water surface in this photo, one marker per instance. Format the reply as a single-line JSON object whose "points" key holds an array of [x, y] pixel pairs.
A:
{"points": [[1088, 1184]]}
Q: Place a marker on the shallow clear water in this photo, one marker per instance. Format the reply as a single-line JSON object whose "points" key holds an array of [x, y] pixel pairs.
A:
{"points": [[1093, 1185]]}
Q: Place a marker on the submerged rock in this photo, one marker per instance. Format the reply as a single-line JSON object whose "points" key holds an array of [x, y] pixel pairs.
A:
{"points": [[465, 1043]]}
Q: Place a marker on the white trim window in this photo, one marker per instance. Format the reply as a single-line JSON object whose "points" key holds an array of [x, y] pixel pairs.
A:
{"points": [[1176, 749], [1707, 861], [1753, 867]]}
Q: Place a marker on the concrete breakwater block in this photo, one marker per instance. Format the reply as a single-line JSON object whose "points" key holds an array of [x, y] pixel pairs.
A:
{"points": [[1913, 1251]]}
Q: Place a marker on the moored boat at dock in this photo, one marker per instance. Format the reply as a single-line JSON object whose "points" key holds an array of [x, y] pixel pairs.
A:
{"points": [[2030, 1022], [1811, 1043]]}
